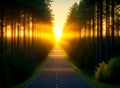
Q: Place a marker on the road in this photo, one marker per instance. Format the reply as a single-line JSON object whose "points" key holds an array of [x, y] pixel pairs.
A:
{"points": [[58, 74]]}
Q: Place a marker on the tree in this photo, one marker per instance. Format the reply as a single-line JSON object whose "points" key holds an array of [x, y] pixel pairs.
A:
{"points": [[98, 20]]}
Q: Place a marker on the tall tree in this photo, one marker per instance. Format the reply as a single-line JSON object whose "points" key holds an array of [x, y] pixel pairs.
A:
{"points": [[1, 24]]}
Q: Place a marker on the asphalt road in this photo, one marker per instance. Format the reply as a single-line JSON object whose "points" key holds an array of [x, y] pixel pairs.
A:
{"points": [[58, 74]]}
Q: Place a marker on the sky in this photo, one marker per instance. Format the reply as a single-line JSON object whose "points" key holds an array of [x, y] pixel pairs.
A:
{"points": [[60, 10]]}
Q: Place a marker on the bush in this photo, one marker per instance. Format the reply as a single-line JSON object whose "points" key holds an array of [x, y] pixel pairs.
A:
{"points": [[113, 71], [109, 72], [99, 74]]}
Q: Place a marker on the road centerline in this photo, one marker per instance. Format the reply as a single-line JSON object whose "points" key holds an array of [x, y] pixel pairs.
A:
{"points": [[58, 74]]}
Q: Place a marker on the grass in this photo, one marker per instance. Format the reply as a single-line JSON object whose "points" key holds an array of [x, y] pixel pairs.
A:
{"points": [[91, 79], [36, 72]]}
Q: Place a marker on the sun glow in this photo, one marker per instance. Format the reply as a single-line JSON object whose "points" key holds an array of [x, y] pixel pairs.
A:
{"points": [[8, 31], [57, 32]]}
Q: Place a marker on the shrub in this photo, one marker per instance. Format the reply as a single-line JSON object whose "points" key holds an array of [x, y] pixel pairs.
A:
{"points": [[99, 74], [112, 74], [109, 72]]}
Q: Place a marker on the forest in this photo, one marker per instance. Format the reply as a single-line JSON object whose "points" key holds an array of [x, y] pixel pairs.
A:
{"points": [[24, 29], [91, 38]]}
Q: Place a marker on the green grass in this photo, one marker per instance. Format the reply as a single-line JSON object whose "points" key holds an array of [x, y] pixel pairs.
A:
{"points": [[90, 79], [36, 72]]}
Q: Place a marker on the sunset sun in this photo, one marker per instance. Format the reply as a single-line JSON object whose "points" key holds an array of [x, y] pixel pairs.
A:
{"points": [[57, 32]]}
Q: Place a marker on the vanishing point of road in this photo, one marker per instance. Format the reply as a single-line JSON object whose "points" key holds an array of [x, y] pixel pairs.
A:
{"points": [[58, 74]]}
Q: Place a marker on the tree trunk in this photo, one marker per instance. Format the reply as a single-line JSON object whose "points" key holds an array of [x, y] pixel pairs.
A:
{"points": [[101, 30], [107, 29], [98, 34], [113, 38], [2, 20]]}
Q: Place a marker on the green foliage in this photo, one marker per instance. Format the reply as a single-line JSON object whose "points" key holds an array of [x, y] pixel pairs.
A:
{"points": [[37, 8], [73, 15], [113, 70], [16, 67], [99, 74], [20, 56], [82, 55], [109, 72], [92, 46]]}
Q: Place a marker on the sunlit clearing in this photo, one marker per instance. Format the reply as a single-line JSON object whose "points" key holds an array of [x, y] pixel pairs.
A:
{"points": [[57, 32]]}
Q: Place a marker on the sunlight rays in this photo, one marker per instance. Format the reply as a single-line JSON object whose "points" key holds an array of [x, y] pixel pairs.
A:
{"points": [[57, 32]]}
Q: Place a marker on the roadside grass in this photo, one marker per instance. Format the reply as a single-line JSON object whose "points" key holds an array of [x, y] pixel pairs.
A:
{"points": [[36, 72], [91, 79]]}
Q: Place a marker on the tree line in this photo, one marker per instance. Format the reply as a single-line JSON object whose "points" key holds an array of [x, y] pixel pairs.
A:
{"points": [[22, 46], [95, 27]]}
